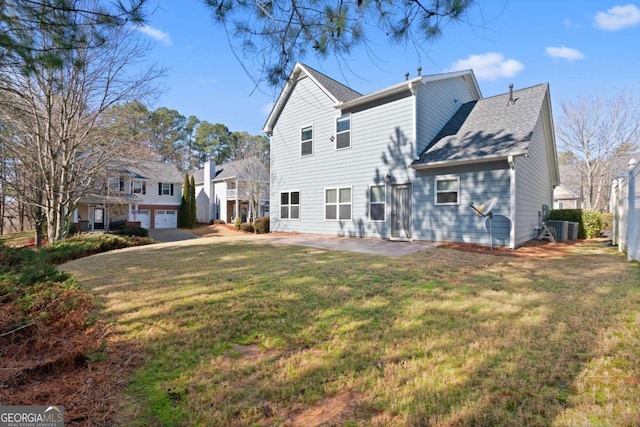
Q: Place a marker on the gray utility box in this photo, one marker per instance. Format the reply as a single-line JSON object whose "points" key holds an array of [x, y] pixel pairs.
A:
{"points": [[573, 230], [562, 229]]}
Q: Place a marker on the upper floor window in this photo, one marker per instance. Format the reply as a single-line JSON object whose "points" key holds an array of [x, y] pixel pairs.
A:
{"points": [[306, 141], [337, 204], [116, 184], [343, 132], [290, 205], [447, 190], [165, 189], [138, 187]]}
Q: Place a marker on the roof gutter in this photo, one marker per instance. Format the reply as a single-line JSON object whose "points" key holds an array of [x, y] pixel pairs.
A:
{"points": [[409, 85], [448, 163]]}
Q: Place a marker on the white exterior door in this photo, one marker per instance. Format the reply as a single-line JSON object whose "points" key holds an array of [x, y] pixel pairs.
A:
{"points": [[401, 211], [166, 219]]}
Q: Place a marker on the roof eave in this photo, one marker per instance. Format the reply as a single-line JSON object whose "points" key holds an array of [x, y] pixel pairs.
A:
{"points": [[408, 85], [282, 99], [462, 162]]}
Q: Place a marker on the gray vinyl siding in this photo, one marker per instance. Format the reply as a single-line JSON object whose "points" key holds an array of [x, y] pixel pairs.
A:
{"points": [[436, 103], [533, 185], [381, 143], [459, 223]]}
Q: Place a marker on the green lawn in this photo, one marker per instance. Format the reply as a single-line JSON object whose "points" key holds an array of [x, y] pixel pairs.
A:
{"points": [[17, 239], [257, 334]]}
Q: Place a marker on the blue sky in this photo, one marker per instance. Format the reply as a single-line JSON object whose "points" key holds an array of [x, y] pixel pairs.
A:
{"points": [[578, 47]]}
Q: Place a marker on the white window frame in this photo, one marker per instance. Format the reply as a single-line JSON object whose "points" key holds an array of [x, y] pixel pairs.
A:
{"points": [[441, 178], [304, 141], [383, 202], [166, 188], [338, 203], [289, 205], [142, 187], [348, 131]]}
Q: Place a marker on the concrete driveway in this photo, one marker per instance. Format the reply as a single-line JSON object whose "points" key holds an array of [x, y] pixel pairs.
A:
{"points": [[171, 234]]}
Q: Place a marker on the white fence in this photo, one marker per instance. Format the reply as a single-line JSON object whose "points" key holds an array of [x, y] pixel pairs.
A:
{"points": [[625, 205]]}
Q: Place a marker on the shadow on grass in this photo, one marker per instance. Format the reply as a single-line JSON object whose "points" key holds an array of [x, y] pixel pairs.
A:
{"points": [[240, 334]]}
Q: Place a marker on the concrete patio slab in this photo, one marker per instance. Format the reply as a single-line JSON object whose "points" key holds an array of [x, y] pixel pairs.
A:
{"points": [[353, 244]]}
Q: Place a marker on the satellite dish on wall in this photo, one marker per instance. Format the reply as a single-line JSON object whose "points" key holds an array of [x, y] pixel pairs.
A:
{"points": [[486, 210]]}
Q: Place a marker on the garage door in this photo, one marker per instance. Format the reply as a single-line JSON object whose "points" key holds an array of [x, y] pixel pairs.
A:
{"points": [[144, 217], [166, 219]]}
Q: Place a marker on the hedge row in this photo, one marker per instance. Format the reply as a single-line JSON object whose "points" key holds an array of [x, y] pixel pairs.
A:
{"points": [[589, 221]]}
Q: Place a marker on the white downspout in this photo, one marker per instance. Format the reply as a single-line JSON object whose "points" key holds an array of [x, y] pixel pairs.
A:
{"points": [[512, 201]]}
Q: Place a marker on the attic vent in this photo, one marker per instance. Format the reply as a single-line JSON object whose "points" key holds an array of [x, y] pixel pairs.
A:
{"points": [[511, 101]]}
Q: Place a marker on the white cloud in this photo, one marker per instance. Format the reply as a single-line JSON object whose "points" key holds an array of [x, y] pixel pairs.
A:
{"points": [[618, 17], [266, 108], [569, 24], [489, 66], [563, 52], [156, 34]]}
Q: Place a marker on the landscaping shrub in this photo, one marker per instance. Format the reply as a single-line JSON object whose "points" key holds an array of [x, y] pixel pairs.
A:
{"points": [[246, 227], [590, 221], [262, 225], [237, 222], [87, 244], [131, 231]]}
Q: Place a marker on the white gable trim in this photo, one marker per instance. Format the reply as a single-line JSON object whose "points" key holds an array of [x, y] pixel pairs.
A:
{"points": [[299, 72]]}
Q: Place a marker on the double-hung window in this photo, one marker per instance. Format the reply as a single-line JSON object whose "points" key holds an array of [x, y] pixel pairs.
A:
{"points": [[165, 189], [138, 187], [377, 203], [447, 190], [343, 132], [337, 204], [306, 141], [290, 205]]}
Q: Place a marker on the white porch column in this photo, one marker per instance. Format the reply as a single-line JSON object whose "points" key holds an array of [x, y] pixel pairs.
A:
{"points": [[237, 200]]}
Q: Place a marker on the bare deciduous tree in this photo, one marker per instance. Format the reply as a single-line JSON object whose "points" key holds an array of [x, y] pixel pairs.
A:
{"points": [[253, 168], [598, 134], [53, 111]]}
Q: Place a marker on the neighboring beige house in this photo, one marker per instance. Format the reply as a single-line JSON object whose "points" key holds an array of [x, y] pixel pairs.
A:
{"points": [[141, 192], [563, 198]]}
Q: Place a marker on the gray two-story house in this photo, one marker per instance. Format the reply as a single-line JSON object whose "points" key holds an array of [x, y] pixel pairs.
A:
{"points": [[408, 161]]}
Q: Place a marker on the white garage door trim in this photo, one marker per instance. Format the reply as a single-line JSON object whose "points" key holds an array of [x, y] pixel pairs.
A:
{"points": [[166, 218]]}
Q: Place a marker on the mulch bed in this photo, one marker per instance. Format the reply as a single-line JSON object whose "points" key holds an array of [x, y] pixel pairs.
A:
{"points": [[531, 249]]}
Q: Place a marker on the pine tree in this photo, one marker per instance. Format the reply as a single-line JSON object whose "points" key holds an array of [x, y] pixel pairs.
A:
{"points": [[183, 213], [192, 202]]}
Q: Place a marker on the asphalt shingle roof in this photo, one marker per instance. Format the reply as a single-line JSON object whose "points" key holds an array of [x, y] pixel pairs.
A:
{"points": [[154, 171], [489, 127], [339, 91], [223, 171]]}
